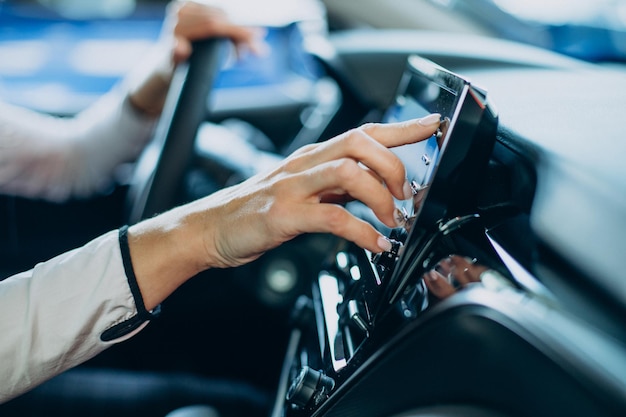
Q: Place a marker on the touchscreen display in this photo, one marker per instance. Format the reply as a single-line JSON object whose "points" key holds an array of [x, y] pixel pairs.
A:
{"points": [[444, 169], [419, 97]]}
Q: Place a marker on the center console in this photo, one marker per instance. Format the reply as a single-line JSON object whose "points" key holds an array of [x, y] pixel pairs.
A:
{"points": [[358, 326]]}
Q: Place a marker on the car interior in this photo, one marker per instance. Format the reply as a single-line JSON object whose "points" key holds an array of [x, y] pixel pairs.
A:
{"points": [[525, 177]]}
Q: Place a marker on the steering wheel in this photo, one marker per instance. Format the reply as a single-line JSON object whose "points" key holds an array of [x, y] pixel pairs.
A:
{"points": [[159, 172]]}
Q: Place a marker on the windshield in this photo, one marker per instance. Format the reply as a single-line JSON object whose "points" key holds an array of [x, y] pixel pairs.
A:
{"points": [[595, 13], [593, 30]]}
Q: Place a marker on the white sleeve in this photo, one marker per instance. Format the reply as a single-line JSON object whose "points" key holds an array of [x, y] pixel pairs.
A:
{"points": [[57, 158], [55, 316]]}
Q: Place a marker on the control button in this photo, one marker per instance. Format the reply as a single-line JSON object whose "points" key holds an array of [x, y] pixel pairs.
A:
{"points": [[399, 234], [309, 385], [342, 260], [386, 260]]}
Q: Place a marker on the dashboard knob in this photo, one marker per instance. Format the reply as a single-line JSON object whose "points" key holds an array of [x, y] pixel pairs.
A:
{"points": [[309, 385]]}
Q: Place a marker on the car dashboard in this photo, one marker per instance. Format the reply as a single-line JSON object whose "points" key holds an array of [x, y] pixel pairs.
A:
{"points": [[536, 196]]}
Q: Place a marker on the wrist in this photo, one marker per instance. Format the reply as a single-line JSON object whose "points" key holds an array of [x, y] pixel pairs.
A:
{"points": [[165, 253], [149, 98], [150, 90]]}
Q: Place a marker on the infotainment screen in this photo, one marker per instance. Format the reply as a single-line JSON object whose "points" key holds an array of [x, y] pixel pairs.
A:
{"points": [[443, 170], [427, 88]]}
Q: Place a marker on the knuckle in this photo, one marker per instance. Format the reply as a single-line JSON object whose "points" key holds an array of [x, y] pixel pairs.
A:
{"points": [[351, 137], [308, 148], [299, 157], [297, 162], [304, 150], [346, 169], [363, 131], [336, 219], [368, 127], [293, 164]]}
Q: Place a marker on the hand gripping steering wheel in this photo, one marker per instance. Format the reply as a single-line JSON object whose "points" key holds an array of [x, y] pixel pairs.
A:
{"points": [[160, 170]]}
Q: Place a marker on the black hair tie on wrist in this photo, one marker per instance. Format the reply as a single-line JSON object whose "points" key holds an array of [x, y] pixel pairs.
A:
{"points": [[143, 315]]}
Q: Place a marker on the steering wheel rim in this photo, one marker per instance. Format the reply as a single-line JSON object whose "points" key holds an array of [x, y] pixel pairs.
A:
{"points": [[159, 172]]}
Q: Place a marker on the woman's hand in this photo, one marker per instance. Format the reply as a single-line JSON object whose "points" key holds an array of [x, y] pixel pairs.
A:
{"points": [[453, 271], [238, 224], [299, 196], [186, 22], [195, 21]]}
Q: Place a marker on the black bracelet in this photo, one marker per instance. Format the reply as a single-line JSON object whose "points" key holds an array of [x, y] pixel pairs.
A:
{"points": [[143, 315]]}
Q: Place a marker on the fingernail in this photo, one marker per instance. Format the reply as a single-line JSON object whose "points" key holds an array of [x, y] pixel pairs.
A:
{"points": [[430, 119], [432, 276], [471, 260], [407, 190], [400, 216], [384, 244], [452, 273]]}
